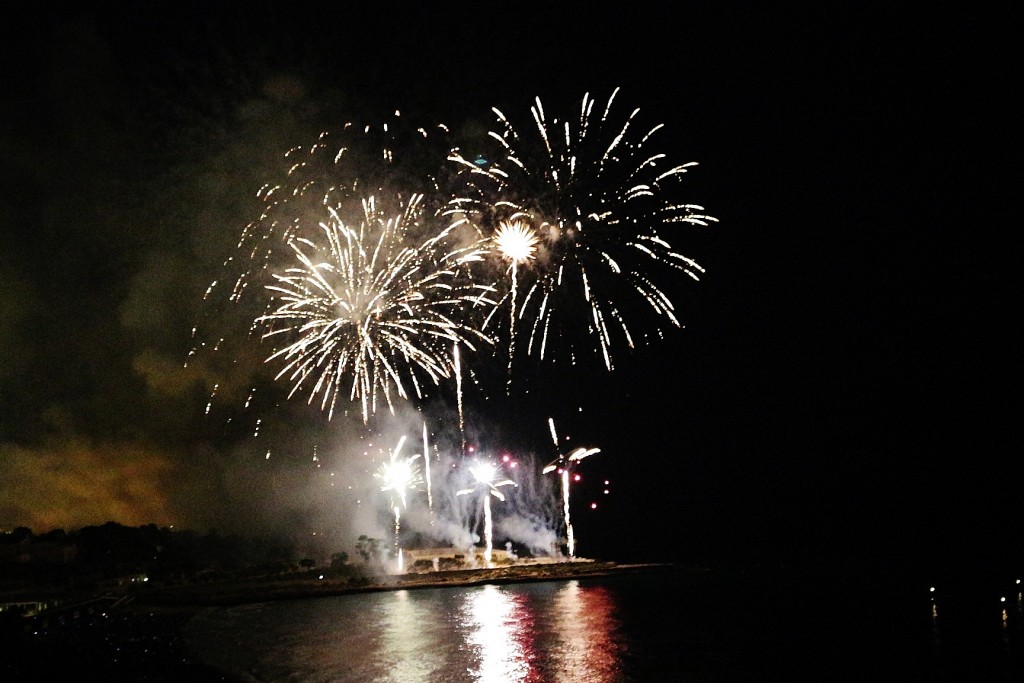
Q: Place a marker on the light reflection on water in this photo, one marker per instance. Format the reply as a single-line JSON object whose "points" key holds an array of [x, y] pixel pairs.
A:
{"points": [[557, 631], [652, 627], [405, 636], [585, 623], [496, 624]]}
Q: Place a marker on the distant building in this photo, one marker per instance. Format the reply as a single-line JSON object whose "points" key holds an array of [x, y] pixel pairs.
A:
{"points": [[441, 559]]}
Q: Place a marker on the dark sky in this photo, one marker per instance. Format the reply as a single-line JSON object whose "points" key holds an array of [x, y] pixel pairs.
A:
{"points": [[847, 380]]}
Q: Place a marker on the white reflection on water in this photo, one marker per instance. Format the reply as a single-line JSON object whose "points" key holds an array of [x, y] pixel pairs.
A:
{"points": [[408, 640], [496, 631]]}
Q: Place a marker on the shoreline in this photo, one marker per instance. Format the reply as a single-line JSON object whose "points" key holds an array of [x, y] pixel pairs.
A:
{"points": [[311, 585]]}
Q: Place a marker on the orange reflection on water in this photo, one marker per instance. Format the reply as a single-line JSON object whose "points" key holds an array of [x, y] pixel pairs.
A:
{"points": [[500, 630], [586, 648]]}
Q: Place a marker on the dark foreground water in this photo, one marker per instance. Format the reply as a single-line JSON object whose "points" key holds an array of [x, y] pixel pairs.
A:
{"points": [[669, 626]]}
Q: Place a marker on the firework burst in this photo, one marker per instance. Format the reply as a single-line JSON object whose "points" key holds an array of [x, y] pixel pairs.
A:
{"points": [[400, 474], [330, 177], [364, 308], [484, 475], [596, 200], [515, 241], [517, 244], [334, 173], [564, 465]]}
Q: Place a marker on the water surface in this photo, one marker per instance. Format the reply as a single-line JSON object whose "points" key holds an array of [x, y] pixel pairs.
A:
{"points": [[674, 626]]}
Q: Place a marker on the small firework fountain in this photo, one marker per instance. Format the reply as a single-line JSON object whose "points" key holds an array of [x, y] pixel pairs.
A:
{"points": [[564, 466], [484, 473], [399, 475]]}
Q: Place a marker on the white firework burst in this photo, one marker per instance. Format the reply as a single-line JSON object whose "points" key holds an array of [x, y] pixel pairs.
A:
{"points": [[366, 311], [598, 202]]}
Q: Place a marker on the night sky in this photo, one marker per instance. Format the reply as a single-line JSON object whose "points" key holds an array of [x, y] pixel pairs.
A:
{"points": [[847, 382]]}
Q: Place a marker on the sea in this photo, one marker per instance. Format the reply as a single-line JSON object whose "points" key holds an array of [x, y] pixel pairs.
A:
{"points": [[667, 624]]}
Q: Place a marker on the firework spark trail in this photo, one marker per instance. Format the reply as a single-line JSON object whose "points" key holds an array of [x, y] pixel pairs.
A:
{"points": [[597, 199], [484, 474], [564, 465], [457, 362], [426, 467], [570, 537], [364, 303]]}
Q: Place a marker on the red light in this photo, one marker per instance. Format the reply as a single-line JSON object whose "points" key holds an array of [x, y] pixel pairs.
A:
{"points": [[593, 506], [577, 477], [505, 458]]}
